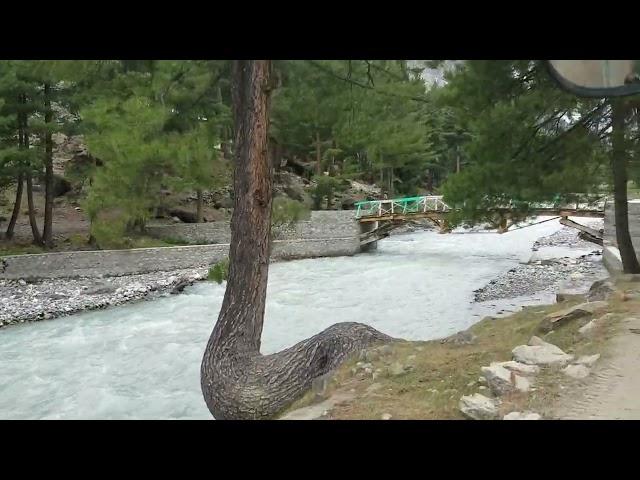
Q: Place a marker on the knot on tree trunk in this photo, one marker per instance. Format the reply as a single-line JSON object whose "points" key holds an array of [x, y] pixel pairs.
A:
{"points": [[249, 387]]}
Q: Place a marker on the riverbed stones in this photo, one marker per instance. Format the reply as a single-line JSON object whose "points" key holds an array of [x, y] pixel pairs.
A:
{"points": [[479, 407], [100, 289], [522, 416], [576, 371], [46, 299], [539, 352], [562, 317]]}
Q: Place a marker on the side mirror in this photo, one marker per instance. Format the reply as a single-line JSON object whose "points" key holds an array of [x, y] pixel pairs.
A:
{"points": [[597, 78]]}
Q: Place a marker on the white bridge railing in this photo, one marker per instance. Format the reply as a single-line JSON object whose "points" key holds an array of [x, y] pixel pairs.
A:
{"points": [[401, 206]]}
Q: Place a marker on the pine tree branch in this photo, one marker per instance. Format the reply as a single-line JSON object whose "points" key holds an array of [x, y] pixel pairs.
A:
{"points": [[362, 85]]}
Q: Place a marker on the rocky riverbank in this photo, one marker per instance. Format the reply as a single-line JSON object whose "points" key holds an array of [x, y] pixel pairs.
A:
{"points": [[22, 301], [551, 268]]}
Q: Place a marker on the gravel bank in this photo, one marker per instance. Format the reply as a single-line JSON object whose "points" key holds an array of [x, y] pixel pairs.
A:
{"points": [[21, 301], [561, 261]]}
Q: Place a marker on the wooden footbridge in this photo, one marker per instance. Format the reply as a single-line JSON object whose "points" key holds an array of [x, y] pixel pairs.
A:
{"points": [[379, 217]]}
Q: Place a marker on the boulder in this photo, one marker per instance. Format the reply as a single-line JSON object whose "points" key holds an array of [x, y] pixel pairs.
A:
{"points": [[556, 319], [185, 216], [348, 203], [522, 416], [479, 407], [519, 368], [460, 338], [566, 297], [539, 352], [600, 290], [587, 360], [503, 381], [180, 285], [61, 186], [576, 371], [386, 416]]}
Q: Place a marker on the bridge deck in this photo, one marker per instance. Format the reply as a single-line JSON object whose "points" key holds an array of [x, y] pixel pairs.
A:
{"points": [[433, 207]]}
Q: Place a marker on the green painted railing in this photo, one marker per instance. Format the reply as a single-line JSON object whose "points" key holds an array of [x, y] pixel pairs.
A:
{"points": [[398, 206], [434, 203]]}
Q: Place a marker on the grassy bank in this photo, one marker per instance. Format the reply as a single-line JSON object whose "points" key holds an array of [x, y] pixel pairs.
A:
{"points": [[442, 372]]}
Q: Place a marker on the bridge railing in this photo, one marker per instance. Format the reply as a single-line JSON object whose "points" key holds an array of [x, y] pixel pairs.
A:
{"points": [[400, 206], [434, 203]]}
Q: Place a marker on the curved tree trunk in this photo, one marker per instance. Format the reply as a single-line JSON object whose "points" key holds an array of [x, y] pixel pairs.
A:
{"points": [[237, 381], [621, 215]]}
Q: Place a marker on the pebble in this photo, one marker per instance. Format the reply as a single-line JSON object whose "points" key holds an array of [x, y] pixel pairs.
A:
{"points": [[52, 298], [546, 275]]}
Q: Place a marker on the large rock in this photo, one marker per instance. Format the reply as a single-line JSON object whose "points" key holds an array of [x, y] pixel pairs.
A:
{"points": [[600, 290], [460, 338], [61, 186], [567, 296], [522, 416], [539, 352], [479, 407], [556, 319], [503, 381], [588, 328], [520, 368], [576, 371]]}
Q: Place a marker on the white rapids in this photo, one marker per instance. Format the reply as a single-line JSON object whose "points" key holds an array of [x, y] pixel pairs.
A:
{"points": [[142, 360]]}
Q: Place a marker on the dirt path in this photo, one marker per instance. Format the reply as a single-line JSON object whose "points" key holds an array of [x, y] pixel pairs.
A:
{"points": [[613, 390]]}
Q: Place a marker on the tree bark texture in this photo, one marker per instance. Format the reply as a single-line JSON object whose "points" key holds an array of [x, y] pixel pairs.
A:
{"points": [[318, 154], [16, 208], [37, 238], [237, 381], [47, 233], [619, 164], [199, 215]]}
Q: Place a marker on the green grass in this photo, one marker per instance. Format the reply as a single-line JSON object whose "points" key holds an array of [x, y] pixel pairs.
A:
{"points": [[18, 249], [443, 372]]}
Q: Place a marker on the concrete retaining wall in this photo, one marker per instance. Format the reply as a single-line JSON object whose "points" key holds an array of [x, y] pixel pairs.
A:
{"points": [[144, 260], [322, 224], [327, 234]]}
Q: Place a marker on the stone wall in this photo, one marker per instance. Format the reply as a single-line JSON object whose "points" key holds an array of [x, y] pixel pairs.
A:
{"points": [[144, 260], [321, 225], [611, 255]]}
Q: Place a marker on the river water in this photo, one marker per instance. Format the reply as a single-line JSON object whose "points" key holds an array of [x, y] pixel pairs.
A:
{"points": [[142, 361]]}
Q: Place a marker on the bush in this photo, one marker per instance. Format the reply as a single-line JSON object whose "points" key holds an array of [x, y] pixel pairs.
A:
{"points": [[286, 212], [219, 272]]}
